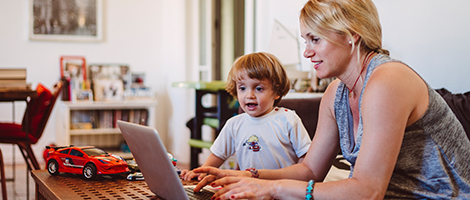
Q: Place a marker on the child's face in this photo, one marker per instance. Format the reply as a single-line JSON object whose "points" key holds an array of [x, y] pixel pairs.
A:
{"points": [[256, 97]]}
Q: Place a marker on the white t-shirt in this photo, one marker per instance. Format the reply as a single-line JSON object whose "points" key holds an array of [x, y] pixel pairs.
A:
{"points": [[273, 141]]}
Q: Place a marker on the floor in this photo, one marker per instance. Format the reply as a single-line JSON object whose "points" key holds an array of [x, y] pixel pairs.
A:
{"points": [[17, 190]]}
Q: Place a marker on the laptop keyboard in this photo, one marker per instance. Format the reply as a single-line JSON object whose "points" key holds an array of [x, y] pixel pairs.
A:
{"points": [[203, 194]]}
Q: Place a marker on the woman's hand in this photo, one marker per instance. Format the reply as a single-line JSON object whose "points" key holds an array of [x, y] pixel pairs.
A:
{"points": [[216, 173], [244, 188]]}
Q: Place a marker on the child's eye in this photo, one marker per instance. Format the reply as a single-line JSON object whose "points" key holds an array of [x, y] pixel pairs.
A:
{"points": [[259, 88], [242, 88]]}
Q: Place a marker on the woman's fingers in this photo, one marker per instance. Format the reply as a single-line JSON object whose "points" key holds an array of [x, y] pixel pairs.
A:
{"points": [[242, 188]]}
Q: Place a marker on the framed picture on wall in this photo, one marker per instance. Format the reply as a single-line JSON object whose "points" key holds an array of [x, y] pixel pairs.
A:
{"points": [[66, 20]]}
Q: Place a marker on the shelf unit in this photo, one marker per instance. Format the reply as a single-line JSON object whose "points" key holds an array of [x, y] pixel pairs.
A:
{"points": [[107, 137]]}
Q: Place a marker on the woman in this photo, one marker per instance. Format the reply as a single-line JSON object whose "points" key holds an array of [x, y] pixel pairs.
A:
{"points": [[399, 135]]}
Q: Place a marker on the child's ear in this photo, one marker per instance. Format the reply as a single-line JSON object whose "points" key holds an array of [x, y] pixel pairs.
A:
{"points": [[277, 97]]}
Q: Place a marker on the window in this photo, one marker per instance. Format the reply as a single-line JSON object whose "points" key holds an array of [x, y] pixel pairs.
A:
{"points": [[65, 151], [75, 152]]}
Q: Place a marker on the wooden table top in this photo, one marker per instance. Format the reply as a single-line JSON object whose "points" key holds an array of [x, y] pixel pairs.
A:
{"points": [[72, 186], [17, 95]]}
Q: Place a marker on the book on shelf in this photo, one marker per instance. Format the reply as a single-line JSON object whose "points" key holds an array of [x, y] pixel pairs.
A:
{"points": [[117, 116], [143, 117], [105, 119], [12, 81], [22, 86], [83, 119], [11, 73]]}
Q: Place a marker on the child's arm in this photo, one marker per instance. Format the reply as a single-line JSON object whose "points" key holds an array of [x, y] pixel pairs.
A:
{"points": [[301, 159], [212, 160]]}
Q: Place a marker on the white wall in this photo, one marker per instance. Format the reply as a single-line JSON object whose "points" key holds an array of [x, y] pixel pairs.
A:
{"points": [[139, 33], [157, 37], [429, 35]]}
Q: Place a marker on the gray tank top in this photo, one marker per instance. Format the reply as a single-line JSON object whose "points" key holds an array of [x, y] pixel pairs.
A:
{"points": [[434, 159]]}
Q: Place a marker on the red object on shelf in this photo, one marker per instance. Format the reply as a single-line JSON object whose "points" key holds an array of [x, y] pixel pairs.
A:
{"points": [[63, 58]]}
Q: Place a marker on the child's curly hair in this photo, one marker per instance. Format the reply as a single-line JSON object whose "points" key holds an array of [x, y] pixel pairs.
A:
{"points": [[259, 66]]}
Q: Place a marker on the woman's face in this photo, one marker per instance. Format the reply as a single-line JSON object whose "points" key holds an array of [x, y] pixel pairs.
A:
{"points": [[329, 57], [256, 97]]}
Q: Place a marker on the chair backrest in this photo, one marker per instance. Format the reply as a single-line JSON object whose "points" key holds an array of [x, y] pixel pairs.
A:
{"points": [[39, 110]]}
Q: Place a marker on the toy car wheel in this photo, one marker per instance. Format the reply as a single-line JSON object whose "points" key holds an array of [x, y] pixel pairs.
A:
{"points": [[53, 167], [89, 171]]}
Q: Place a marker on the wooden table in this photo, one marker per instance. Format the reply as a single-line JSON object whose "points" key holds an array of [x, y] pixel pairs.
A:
{"points": [[74, 186], [17, 95]]}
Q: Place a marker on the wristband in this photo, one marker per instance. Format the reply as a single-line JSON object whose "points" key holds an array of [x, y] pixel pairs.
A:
{"points": [[254, 172], [309, 195]]}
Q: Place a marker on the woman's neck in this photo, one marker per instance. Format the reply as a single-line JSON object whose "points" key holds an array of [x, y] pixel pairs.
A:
{"points": [[356, 86]]}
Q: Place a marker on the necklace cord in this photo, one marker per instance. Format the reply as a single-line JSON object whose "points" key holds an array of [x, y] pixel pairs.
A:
{"points": [[362, 70]]}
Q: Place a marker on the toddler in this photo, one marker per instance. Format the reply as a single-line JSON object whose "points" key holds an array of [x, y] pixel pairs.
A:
{"points": [[264, 136]]}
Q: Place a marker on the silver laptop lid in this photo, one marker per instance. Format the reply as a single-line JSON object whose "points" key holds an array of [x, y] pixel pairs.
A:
{"points": [[152, 158]]}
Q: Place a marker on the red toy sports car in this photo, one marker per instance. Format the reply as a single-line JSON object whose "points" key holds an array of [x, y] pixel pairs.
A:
{"points": [[89, 161]]}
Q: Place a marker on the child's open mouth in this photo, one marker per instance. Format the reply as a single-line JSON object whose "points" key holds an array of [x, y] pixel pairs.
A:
{"points": [[251, 105]]}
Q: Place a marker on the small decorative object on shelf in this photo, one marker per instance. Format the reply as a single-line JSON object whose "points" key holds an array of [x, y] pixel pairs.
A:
{"points": [[82, 95], [88, 161], [109, 81], [73, 73]]}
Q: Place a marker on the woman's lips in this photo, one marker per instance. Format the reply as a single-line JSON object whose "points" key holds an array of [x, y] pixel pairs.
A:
{"points": [[316, 64]]}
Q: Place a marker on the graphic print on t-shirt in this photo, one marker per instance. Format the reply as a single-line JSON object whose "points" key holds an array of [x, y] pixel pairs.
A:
{"points": [[252, 143]]}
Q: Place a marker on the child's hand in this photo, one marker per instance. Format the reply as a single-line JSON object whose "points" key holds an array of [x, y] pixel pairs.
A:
{"points": [[189, 175]]}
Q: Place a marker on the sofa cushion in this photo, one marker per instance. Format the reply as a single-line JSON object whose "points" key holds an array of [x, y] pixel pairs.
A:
{"points": [[307, 109], [460, 105]]}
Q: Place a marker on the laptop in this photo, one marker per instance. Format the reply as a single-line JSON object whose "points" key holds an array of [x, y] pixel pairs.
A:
{"points": [[152, 158]]}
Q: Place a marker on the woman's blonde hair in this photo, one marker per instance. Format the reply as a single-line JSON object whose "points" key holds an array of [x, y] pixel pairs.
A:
{"points": [[259, 66], [346, 17]]}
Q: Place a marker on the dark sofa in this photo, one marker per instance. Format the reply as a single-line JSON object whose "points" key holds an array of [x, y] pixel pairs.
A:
{"points": [[460, 105], [307, 109]]}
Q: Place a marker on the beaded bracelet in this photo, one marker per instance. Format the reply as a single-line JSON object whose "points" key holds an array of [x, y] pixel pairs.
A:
{"points": [[310, 186], [254, 172]]}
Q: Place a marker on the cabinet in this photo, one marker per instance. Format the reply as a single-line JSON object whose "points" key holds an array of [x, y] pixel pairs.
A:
{"points": [[215, 116], [93, 123]]}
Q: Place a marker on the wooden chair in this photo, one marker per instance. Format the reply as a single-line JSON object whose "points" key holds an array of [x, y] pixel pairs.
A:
{"points": [[34, 121], [2, 176]]}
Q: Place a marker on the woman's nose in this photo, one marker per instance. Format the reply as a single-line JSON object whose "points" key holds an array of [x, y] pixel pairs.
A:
{"points": [[308, 53]]}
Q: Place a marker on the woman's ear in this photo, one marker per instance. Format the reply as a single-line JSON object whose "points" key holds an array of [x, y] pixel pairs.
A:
{"points": [[355, 37]]}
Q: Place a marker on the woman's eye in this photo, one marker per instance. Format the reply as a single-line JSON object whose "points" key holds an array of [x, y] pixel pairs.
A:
{"points": [[315, 40]]}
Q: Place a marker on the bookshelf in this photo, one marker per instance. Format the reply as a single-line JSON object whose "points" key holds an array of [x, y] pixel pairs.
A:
{"points": [[93, 123]]}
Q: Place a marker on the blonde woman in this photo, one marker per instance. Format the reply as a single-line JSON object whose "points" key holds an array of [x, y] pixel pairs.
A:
{"points": [[399, 135]]}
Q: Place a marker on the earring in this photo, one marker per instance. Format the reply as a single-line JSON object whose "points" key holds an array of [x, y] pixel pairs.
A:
{"points": [[350, 42]]}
